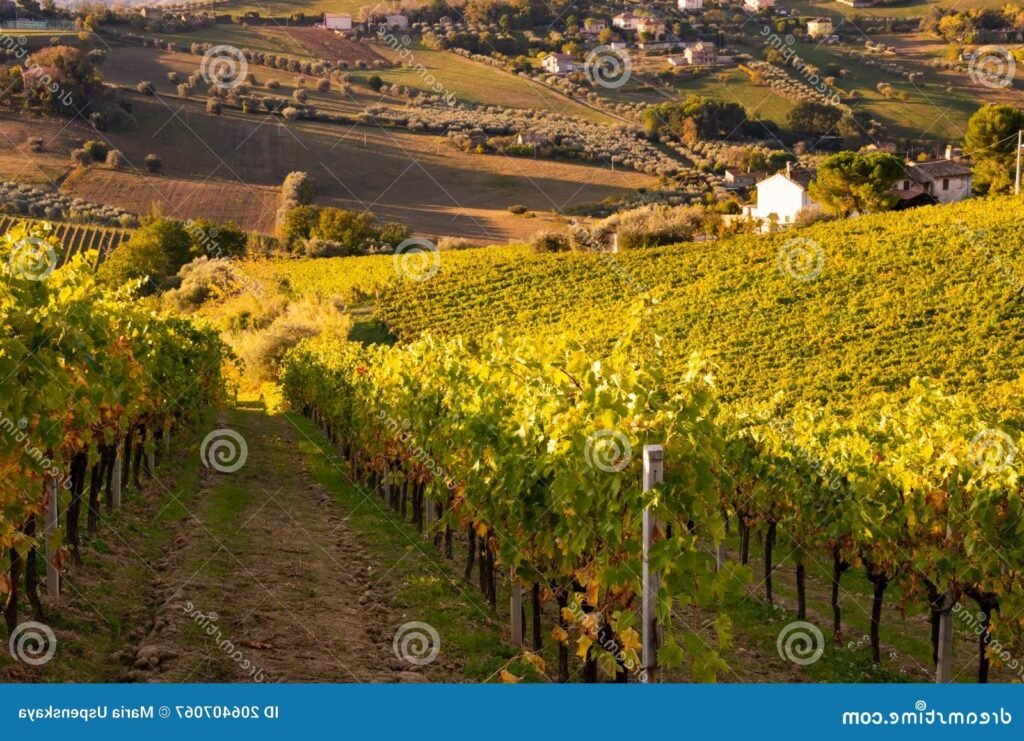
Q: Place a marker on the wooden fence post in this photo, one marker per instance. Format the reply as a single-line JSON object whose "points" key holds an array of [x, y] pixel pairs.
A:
{"points": [[115, 484], [518, 629], [654, 474], [52, 517], [944, 668]]}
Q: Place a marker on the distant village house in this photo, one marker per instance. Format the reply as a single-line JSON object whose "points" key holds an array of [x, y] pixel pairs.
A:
{"points": [[819, 27], [945, 180], [702, 52], [558, 64], [691, 4], [783, 198], [338, 21], [759, 5]]}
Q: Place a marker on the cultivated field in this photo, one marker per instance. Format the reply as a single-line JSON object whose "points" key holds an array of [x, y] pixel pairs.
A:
{"points": [[327, 45], [232, 165]]}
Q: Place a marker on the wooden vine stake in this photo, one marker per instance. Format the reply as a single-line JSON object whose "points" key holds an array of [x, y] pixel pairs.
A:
{"points": [[115, 484], [654, 474], [518, 629], [52, 573], [944, 668]]}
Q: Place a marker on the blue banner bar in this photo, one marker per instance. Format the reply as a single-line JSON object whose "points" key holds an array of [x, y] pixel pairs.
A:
{"points": [[494, 712]]}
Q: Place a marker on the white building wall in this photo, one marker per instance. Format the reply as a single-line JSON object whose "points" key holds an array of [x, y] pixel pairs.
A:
{"points": [[780, 196], [959, 189]]}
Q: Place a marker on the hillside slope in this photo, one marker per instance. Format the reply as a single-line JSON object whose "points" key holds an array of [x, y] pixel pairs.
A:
{"points": [[824, 313]]}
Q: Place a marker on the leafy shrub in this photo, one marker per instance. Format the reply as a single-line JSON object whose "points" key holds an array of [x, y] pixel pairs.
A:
{"points": [[97, 150], [36, 143], [649, 226], [454, 243], [518, 210], [213, 106], [317, 247], [298, 189], [202, 280], [116, 160], [153, 163], [81, 157], [146, 88], [549, 242]]}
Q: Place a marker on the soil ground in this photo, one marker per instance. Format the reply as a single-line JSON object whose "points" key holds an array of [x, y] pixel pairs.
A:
{"points": [[264, 574]]}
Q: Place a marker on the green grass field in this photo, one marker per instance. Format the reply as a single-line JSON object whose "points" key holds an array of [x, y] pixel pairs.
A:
{"points": [[474, 82], [912, 9], [928, 112]]}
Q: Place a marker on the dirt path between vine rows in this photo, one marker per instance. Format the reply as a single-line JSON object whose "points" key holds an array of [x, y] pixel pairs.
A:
{"points": [[274, 572], [266, 582]]}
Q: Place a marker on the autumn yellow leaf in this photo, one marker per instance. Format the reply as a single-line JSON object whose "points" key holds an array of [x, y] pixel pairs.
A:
{"points": [[630, 640], [584, 644], [508, 677]]}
